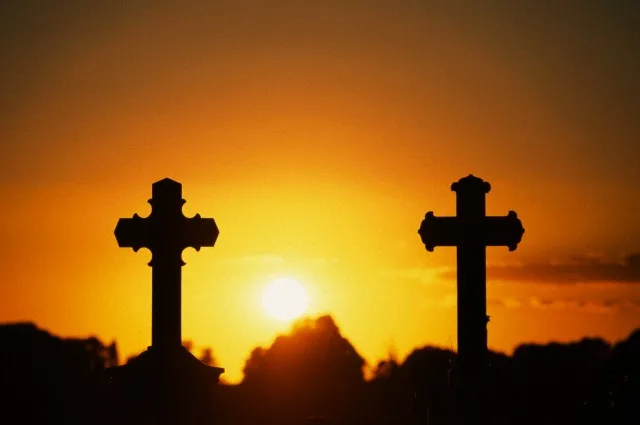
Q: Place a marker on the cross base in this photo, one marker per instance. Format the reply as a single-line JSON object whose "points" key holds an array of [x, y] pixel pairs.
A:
{"points": [[161, 386]]}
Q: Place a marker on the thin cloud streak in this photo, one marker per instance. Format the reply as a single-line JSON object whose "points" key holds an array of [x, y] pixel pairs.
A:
{"points": [[598, 307], [582, 270], [427, 276], [578, 270]]}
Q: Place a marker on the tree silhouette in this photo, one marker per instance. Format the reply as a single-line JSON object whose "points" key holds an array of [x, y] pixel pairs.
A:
{"points": [[624, 381], [313, 371]]}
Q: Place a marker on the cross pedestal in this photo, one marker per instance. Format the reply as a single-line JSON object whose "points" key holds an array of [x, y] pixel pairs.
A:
{"points": [[165, 384], [471, 231]]}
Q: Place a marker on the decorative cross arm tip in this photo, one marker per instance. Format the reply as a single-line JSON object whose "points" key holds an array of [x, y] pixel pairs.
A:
{"points": [[126, 232]]}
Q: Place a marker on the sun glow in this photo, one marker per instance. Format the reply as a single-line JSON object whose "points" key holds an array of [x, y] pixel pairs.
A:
{"points": [[285, 299]]}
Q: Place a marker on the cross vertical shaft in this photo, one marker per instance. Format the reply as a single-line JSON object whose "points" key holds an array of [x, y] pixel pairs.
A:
{"points": [[472, 276], [472, 310], [166, 304]]}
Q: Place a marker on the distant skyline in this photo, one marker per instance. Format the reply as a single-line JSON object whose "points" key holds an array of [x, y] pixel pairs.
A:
{"points": [[318, 134]]}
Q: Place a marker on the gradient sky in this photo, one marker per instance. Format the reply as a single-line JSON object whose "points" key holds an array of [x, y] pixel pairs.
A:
{"points": [[318, 134]]}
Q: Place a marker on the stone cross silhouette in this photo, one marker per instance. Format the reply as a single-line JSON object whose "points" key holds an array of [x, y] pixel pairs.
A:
{"points": [[471, 231], [166, 383], [166, 232]]}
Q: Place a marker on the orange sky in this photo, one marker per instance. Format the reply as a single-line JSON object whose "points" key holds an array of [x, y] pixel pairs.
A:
{"points": [[318, 134]]}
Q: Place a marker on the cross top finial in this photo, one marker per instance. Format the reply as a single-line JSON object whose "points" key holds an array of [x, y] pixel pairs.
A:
{"points": [[471, 184], [166, 190]]}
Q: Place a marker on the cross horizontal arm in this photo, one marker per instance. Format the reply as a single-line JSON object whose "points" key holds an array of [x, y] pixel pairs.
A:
{"points": [[199, 232], [439, 231], [455, 231], [133, 233], [503, 231]]}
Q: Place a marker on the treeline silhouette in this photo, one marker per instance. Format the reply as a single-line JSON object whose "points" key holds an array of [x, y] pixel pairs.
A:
{"points": [[313, 374]]}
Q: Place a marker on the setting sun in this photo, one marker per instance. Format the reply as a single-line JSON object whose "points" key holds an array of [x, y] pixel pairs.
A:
{"points": [[285, 299]]}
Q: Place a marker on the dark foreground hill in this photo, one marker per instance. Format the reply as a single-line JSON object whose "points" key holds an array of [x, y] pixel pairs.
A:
{"points": [[314, 375], [47, 379]]}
